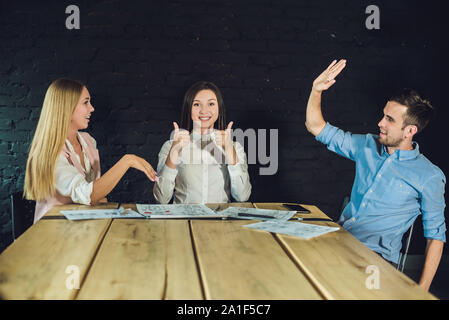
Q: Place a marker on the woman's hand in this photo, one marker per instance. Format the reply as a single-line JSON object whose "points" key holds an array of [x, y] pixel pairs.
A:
{"points": [[141, 164], [223, 138], [181, 138], [104, 185]]}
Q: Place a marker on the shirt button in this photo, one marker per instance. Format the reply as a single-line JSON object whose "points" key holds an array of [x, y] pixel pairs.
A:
{"points": [[363, 204], [370, 190], [379, 175], [353, 219]]}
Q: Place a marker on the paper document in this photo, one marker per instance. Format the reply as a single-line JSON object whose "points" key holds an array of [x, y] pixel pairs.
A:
{"points": [[100, 214], [296, 229], [257, 214], [158, 211]]}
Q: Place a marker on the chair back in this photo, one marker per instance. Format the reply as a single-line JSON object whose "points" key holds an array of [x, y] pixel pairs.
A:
{"points": [[22, 214], [406, 238]]}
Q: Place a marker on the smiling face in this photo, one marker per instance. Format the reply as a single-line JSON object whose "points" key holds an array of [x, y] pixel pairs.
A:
{"points": [[393, 133], [204, 110], [81, 115]]}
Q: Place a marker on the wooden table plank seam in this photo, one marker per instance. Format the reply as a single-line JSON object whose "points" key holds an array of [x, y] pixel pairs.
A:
{"points": [[316, 284], [93, 259], [198, 268], [165, 289], [193, 259]]}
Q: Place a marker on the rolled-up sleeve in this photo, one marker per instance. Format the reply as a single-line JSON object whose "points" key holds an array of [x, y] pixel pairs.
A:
{"points": [[69, 182], [343, 143], [163, 189], [238, 173], [432, 207]]}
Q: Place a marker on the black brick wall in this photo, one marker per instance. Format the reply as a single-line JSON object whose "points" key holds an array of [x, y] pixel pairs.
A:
{"points": [[139, 57]]}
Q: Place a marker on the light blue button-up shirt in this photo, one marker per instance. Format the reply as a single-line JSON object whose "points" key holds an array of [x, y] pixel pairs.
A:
{"points": [[389, 192]]}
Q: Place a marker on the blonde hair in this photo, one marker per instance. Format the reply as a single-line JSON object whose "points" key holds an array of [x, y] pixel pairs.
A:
{"points": [[60, 101]]}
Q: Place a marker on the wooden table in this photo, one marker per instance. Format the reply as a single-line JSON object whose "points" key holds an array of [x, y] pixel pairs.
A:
{"points": [[192, 259]]}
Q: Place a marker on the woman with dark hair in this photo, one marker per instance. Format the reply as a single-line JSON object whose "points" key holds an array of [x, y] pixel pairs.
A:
{"points": [[201, 163]]}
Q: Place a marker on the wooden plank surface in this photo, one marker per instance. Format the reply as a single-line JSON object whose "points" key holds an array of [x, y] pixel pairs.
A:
{"points": [[341, 267], [35, 265], [240, 263], [144, 259]]}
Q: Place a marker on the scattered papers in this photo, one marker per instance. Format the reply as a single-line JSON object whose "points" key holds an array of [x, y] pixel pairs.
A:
{"points": [[257, 214], [164, 211], [100, 214], [296, 229], [157, 211]]}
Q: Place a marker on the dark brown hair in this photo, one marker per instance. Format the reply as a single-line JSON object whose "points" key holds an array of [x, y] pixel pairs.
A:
{"points": [[186, 113], [419, 111]]}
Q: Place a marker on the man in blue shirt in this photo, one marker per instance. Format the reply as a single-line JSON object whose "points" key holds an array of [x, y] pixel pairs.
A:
{"points": [[394, 182]]}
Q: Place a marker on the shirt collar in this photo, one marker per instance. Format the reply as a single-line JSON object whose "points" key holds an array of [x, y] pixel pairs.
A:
{"points": [[403, 154], [80, 139], [198, 136]]}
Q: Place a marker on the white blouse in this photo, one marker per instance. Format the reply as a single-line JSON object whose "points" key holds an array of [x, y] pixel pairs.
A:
{"points": [[202, 176], [69, 181], [73, 183]]}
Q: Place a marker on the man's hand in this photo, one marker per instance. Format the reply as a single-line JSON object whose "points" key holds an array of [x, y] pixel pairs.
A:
{"points": [[314, 117], [326, 79]]}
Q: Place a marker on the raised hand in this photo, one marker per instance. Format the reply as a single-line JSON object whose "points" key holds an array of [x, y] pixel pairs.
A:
{"points": [[181, 138], [223, 137], [326, 79]]}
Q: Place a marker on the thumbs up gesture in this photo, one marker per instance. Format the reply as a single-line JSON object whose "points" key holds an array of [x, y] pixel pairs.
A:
{"points": [[181, 138], [223, 137]]}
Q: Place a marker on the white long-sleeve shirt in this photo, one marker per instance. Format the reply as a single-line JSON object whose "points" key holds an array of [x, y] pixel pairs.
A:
{"points": [[201, 175]]}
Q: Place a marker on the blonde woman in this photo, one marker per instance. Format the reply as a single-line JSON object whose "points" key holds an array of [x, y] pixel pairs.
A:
{"points": [[63, 165]]}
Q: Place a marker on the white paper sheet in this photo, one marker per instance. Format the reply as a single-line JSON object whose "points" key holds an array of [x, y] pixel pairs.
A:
{"points": [[158, 211], [257, 214], [296, 229], [101, 214]]}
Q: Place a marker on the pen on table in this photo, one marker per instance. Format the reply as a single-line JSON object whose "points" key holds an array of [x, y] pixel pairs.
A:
{"points": [[314, 219], [250, 215]]}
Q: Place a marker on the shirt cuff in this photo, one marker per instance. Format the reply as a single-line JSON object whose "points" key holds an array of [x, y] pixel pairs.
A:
{"points": [[235, 170], [436, 234], [168, 173], [81, 194], [324, 134]]}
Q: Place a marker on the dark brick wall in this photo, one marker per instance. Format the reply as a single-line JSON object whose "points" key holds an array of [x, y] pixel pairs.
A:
{"points": [[138, 59]]}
